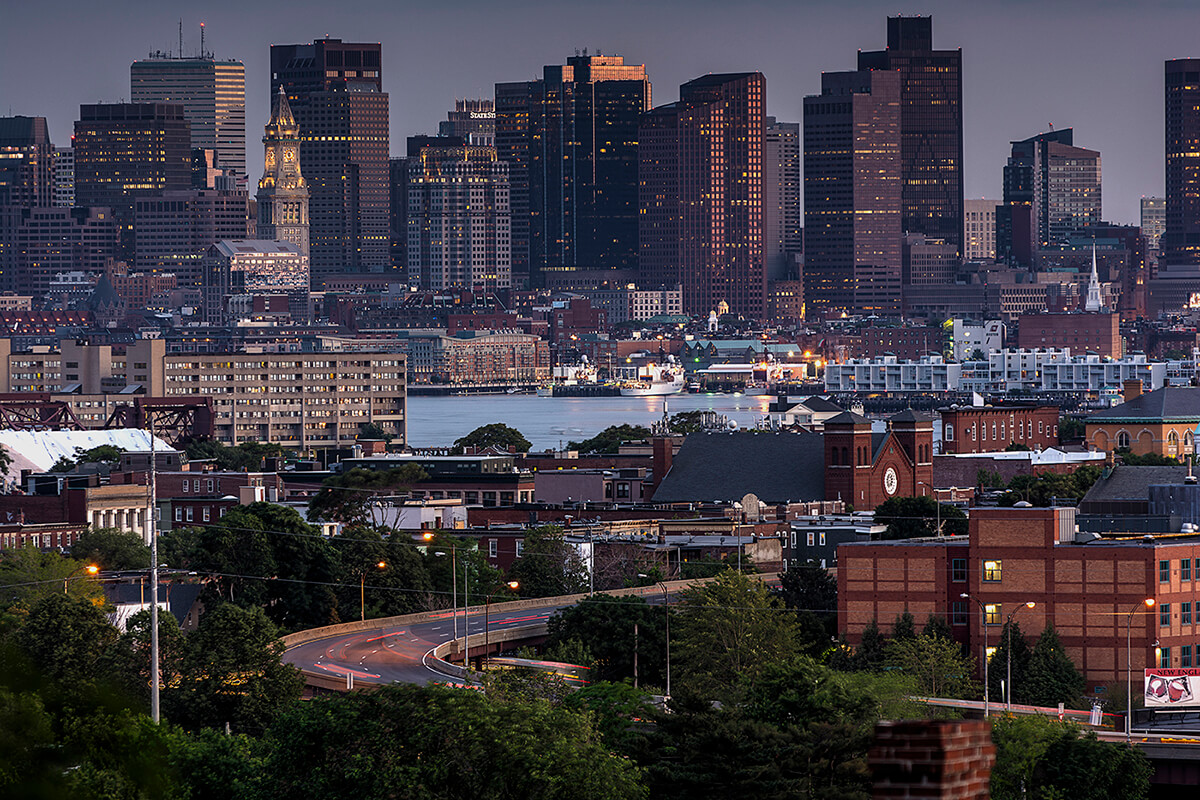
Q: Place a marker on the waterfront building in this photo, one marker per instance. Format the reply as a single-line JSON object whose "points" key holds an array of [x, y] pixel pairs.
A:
{"points": [[1181, 239], [852, 194], [335, 93], [26, 162], [701, 174], [212, 93], [930, 373], [282, 191], [477, 358], [627, 303], [979, 230], [931, 127], [570, 140]]}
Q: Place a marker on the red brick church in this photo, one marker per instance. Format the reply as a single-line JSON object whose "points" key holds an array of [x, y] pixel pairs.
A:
{"points": [[864, 468]]}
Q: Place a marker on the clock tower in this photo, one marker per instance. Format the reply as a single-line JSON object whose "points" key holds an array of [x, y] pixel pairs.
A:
{"points": [[282, 192]]}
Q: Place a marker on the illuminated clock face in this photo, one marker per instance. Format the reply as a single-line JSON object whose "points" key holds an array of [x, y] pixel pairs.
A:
{"points": [[289, 155], [890, 482]]}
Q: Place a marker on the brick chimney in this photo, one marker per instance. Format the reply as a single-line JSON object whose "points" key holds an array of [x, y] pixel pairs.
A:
{"points": [[1133, 389], [919, 759]]}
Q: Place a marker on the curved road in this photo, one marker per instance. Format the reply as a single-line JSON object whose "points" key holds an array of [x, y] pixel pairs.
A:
{"points": [[394, 654]]}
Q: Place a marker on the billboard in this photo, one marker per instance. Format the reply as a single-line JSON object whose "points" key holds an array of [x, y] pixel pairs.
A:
{"points": [[1172, 688]]}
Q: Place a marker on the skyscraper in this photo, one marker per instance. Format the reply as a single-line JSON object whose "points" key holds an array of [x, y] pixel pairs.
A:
{"points": [[458, 216], [213, 96], [26, 162], [282, 191], [701, 194], [64, 176], [173, 229], [570, 140], [931, 127], [472, 120], [783, 224], [126, 149], [852, 194], [336, 95], [1181, 241], [1153, 220]]}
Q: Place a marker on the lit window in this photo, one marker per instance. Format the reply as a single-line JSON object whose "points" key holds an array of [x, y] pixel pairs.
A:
{"points": [[992, 571], [991, 614]]}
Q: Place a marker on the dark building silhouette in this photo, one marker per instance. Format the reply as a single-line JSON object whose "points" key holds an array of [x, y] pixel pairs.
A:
{"points": [[335, 91], [26, 162], [931, 147], [852, 194], [123, 150], [701, 174], [570, 140], [1181, 241]]}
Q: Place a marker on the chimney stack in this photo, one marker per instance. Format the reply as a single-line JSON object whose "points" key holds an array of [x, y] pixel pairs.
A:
{"points": [[1133, 389]]}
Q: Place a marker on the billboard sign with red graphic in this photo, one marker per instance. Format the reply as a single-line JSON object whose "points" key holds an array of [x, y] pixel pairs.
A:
{"points": [[1172, 688]]}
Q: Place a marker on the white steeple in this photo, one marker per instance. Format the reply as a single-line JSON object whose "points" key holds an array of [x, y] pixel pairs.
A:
{"points": [[1093, 295]]}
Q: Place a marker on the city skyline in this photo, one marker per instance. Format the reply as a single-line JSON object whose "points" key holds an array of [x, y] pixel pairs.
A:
{"points": [[1071, 64]]}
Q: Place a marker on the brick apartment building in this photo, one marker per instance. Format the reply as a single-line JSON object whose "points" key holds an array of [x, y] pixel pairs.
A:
{"points": [[1085, 586], [1098, 333], [982, 429]]}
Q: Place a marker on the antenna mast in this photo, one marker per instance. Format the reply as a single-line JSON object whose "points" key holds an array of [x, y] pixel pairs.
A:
{"points": [[179, 52], [202, 54]]}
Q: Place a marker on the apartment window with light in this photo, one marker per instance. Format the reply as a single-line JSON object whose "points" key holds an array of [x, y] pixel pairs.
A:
{"points": [[1164, 572], [958, 570], [991, 614], [1164, 614], [992, 571]]}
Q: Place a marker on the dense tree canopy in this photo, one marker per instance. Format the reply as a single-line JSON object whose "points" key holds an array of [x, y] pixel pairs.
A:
{"points": [[912, 517], [496, 434], [548, 566], [245, 457], [1039, 490], [609, 440], [604, 625], [1051, 677], [102, 454], [351, 496], [112, 549]]}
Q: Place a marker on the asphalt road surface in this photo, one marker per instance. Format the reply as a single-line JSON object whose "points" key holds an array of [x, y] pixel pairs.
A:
{"points": [[391, 655]]}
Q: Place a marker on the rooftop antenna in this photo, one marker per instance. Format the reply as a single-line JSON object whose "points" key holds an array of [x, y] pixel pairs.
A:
{"points": [[179, 52], [202, 55]]}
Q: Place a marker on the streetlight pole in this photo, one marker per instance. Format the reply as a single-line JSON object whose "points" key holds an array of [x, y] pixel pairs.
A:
{"points": [[983, 617], [667, 610], [152, 522], [1008, 632], [1148, 603], [362, 591], [487, 607]]}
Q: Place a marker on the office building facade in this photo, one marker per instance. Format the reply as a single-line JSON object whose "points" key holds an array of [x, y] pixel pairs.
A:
{"points": [[335, 92], [979, 230], [172, 230], [36, 244], [852, 194], [213, 96], [701, 195], [931, 127], [1181, 240], [1153, 220], [64, 176], [474, 121], [783, 221], [458, 217], [570, 141], [26, 162]]}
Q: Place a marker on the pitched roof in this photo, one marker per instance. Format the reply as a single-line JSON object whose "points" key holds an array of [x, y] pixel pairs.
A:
{"points": [[908, 415], [777, 467], [848, 418], [818, 403], [1132, 483], [1181, 403]]}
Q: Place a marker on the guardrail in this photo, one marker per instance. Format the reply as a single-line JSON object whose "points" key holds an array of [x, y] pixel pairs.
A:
{"points": [[323, 681]]}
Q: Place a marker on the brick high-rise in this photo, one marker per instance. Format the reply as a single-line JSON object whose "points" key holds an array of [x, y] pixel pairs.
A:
{"points": [[1180, 242], [852, 194], [335, 91], [570, 140], [931, 126], [701, 174]]}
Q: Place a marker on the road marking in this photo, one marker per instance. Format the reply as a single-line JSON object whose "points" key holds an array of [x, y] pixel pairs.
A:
{"points": [[346, 670], [384, 636]]}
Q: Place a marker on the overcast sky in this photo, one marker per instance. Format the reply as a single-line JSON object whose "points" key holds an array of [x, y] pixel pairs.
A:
{"points": [[1096, 66]]}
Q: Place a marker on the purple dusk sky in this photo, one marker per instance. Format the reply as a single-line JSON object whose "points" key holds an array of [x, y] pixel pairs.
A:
{"points": [[1095, 66]]}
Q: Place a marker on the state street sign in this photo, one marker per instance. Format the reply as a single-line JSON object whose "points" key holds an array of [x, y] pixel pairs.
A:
{"points": [[1172, 688]]}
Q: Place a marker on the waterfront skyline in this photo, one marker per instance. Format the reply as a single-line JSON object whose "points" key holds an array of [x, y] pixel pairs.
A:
{"points": [[1071, 65]]}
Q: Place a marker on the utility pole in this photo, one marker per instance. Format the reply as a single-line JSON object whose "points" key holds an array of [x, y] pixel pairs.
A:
{"points": [[635, 649], [151, 522]]}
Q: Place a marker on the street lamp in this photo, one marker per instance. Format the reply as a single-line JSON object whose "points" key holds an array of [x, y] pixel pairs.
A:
{"points": [[487, 605], [1147, 604], [454, 580], [1008, 632], [91, 571], [982, 616], [362, 590]]}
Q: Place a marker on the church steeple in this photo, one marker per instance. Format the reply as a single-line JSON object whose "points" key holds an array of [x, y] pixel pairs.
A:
{"points": [[282, 192], [1093, 302]]}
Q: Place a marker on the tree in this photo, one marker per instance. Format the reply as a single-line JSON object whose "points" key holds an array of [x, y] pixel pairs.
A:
{"points": [[421, 742], [548, 566], [372, 430], [936, 664], [246, 457], [913, 517], [127, 661], [1017, 447], [102, 454], [728, 631], [401, 586], [986, 478], [475, 575], [64, 637], [686, 422], [350, 497], [1147, 460], [1041, 489], [609, 440], [1071, 429], [604, 624], [231, 672], [1051, 677], [27, 574], [496, 434], [618, 710], [999, 663], [871, 654], [112, 549], [938, 628], [905, 627]]}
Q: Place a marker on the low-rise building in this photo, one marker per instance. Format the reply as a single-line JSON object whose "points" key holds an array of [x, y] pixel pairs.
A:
{"points": [[1091, 332], [890, 374], [1162, 422], [979, 429], [488, 480]]}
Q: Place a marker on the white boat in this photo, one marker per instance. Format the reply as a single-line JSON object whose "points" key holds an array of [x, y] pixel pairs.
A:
{"points": [[654, 380]]}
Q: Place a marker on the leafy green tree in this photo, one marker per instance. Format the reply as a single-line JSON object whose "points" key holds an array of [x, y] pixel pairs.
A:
{"points": [[604, 624], [912, 517], [1051, 677], [1017, 447], [619, 711], [1147, 460], [30, 762], [444, 555], [988, 478], [549, 566], [102, 454], [728, 631], [496, 434], [1039, 490], [401, 586], [27, 574], [686, 422], [211, 765], [64, 637], [349, 497], [231, 672], [421, 742], [111, 549], [127, 661], [1071, 429], [609, 440], [708, 566], [905, 627], [372, 430], [938, 628], [245, 457], [936, 664], [871, 654], [811, 588], [999, 663]]}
